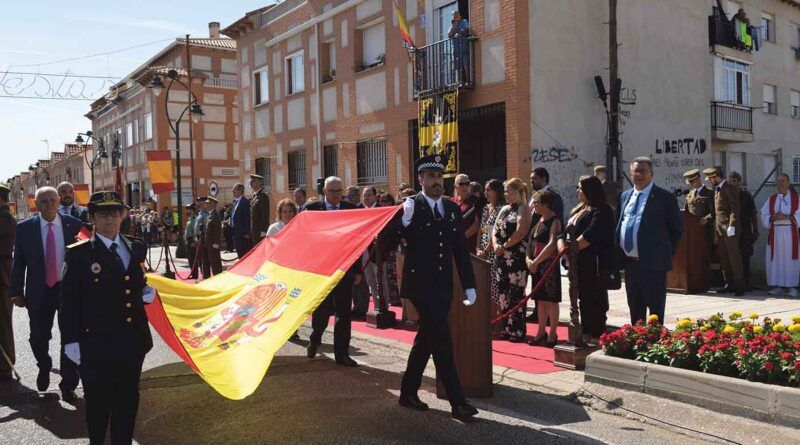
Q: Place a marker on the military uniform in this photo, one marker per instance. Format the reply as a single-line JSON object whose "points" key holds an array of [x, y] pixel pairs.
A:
{"points": [[726, 207], [699, 201], [191, 242], [213, 238], [8, 228], [259, 213], [200, 234], [104, 315]]}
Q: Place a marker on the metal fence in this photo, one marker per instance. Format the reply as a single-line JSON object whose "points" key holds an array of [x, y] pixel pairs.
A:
{"points": [[444, 66], [731, 117]]}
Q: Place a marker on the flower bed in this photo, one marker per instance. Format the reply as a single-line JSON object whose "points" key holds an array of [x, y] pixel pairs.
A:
{"points": [[767, 352]]}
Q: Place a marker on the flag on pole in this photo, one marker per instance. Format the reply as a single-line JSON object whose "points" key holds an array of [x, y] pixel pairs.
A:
{"points": [[401, 23], [82, 194], [159, 164], [228, 327]]}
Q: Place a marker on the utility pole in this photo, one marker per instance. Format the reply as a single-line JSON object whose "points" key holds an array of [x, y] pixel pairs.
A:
{"points": [[189, 104], [613, 160]]}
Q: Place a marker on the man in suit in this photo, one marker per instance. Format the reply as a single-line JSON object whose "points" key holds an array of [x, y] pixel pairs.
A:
{"points": [[748, 216], [105, 327], [213, 236], [727, 230], [339, 299], [8, 230], [431, 226], [36, 282], [611, 188], [299, 198], [191, 240], [540, 180], [649, 230], [66, 196], [259, 209], [239, 221]]}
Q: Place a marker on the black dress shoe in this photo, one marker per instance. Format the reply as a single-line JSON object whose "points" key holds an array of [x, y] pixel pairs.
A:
{"points": [[738, 293], [412, 402], [346, 361], [69, 396], [464, 412], [724, 290], [311, 350], [43, 380]]}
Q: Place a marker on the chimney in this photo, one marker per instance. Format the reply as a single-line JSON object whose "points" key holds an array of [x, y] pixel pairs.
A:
{"points": [[213, 30]]}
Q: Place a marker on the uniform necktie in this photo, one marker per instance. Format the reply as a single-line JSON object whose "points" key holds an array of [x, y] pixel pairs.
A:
{"points": [[116, 255], [437, 215], [50, 266], [631, 221]]}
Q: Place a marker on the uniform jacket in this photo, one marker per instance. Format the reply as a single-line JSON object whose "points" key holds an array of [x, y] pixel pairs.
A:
{"points": [[700, 204], [726, 204], [347, 281], [76, 211], [660, 230], [102, 304], [8, 230], [213, 232], [431, 247], [241, 218], [27, 271], [259, 215]]}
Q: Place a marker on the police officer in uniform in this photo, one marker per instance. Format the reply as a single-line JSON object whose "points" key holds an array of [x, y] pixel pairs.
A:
{"points": [[191, 241], [259, 209], [105, 329], [200, 235], [213, 236], [430, 226]]}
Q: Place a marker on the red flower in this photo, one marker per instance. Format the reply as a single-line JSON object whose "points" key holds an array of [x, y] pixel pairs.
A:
{"points": [[787, 356], [768, 366], [797, 366]]}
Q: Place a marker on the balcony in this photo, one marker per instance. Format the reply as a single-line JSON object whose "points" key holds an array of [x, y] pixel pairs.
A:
{"points": [[731, 122], [218, 82], [724, 35], [444, 66]]}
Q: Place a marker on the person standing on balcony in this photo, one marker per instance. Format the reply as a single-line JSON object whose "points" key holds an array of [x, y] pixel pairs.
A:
{"points": [[459, 31]]}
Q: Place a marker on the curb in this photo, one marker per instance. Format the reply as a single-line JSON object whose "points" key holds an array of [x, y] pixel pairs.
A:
{"points": [[774, 404]]}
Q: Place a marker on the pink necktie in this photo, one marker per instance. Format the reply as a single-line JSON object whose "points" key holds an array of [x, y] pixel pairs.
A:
{"points": [[50, 267]]}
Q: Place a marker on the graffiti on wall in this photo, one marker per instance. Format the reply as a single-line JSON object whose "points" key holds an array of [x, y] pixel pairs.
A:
{"points": [[564, 167], [674, 156], [553, 154]]}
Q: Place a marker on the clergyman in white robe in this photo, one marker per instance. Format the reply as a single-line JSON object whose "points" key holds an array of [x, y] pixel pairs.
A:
{"points": [[782, 269]]}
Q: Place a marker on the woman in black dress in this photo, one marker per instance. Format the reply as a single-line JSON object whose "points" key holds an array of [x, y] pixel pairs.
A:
{"points": [[509, 238], [542, 251], [494, 202], [591, 226]]}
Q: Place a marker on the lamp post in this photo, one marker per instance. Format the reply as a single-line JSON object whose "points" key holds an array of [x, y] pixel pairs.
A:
{"points": [[100, 152], [196, 114]]}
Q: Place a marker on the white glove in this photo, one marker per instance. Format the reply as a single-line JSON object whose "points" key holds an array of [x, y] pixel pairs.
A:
{"points": [[216, 246], [148, 294], [408, 211], [73, 352], [731, 231], [470, 294], [263, 234]]}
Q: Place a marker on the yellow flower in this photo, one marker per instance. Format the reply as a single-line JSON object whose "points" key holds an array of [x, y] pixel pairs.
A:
{"points": [[758, 329], [705, 327], [779, 327], [796, 319], [753, 316], [729, 329], [716, 317], [795, 328], [653, 317], [685, 323], [735, 315]]}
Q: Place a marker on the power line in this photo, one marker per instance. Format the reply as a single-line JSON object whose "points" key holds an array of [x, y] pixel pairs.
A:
{"points": [[46, 98], [67, 74], [72, 59]]}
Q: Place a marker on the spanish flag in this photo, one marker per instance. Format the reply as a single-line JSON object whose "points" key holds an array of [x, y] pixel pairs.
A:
{"points": [[159, 164], [401, 23], [228, 327], [82, 194]]}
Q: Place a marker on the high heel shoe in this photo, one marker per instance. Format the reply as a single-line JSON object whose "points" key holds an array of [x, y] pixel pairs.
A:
{"points": [[552, 344], [537, 341]]}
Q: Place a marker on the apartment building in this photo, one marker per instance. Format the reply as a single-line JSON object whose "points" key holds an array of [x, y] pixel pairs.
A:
{"points": [[327, 88], [132, 119]]}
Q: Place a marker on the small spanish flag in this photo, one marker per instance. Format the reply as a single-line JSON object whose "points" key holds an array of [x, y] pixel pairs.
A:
{"points": [[401, 22], [82, 194], [32, 203], [159, 163]]}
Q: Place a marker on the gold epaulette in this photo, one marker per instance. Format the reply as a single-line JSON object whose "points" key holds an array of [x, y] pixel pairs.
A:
{"points": [[79, 243]]}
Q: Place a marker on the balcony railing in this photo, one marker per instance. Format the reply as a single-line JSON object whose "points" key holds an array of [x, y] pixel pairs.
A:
{"points": [[444, 66], [724, 32], [219, 82], [731, 117]]}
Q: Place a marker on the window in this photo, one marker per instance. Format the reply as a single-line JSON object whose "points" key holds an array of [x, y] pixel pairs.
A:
{"points": [[734, 82], [295, 74], [136, 131], [795, 101], [148, 126], [328, 62], [796, 169], [129, 134], [330, 155], [768, 99], [373, 44], [371, 162], [442, 20], [297, 169], [767, 28], [261, 86], [262, 168]]}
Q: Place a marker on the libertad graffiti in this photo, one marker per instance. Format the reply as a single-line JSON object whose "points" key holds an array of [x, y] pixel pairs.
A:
{"points": [[688, 146]]}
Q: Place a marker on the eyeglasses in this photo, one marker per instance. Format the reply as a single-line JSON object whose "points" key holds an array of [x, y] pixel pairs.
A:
{"points": [[335, 191], [463, 183]]}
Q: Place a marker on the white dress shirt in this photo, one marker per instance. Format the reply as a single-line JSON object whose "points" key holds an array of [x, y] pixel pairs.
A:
{"points": [[329, 206], [629, 212], [122, 250], [58, 231], [408, 208]]}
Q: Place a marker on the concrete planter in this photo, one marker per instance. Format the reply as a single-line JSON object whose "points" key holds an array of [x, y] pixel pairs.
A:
{"points": [[768, 403]]}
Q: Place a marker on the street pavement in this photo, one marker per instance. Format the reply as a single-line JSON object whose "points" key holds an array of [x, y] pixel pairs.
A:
{"points": [[316, 401]]}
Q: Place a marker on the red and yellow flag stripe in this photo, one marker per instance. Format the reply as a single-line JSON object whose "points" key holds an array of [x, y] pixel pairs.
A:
{"points": [[159, 164]]}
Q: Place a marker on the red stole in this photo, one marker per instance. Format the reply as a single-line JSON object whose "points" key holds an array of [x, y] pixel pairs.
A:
{"points": [[795, 203]]}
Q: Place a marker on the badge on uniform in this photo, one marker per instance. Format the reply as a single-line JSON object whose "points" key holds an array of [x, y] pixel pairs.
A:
{"points": [[96, 268]]}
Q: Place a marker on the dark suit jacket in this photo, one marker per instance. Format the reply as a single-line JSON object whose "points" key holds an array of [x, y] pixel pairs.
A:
{"points": [[27, 271], [8, 230], [347, 281], [241, 218], [659, 231], [259, 215], [81, 213]]}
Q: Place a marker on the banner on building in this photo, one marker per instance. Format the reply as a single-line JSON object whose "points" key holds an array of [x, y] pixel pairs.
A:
{"points": [[228, 327], [32, 204], [438, 128], [159, 164], [82, 194]]}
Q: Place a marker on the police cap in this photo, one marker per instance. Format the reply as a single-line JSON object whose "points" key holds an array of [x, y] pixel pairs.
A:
{"points": [[430, 162], [105, 201]]}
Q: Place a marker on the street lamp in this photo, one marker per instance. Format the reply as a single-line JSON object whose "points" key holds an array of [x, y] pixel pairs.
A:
{"points": [[100, 152], [196, 115]]}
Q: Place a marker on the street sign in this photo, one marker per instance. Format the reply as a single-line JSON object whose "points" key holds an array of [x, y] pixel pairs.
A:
{"points": [[213, 189]]}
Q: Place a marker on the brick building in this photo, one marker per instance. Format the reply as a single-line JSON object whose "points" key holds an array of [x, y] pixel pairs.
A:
{"points": [[327, 88], [134, 119]]}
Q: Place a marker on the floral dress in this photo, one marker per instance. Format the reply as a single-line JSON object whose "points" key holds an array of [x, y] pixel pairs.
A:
{"points": [[511, 273], [488, 219]]}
